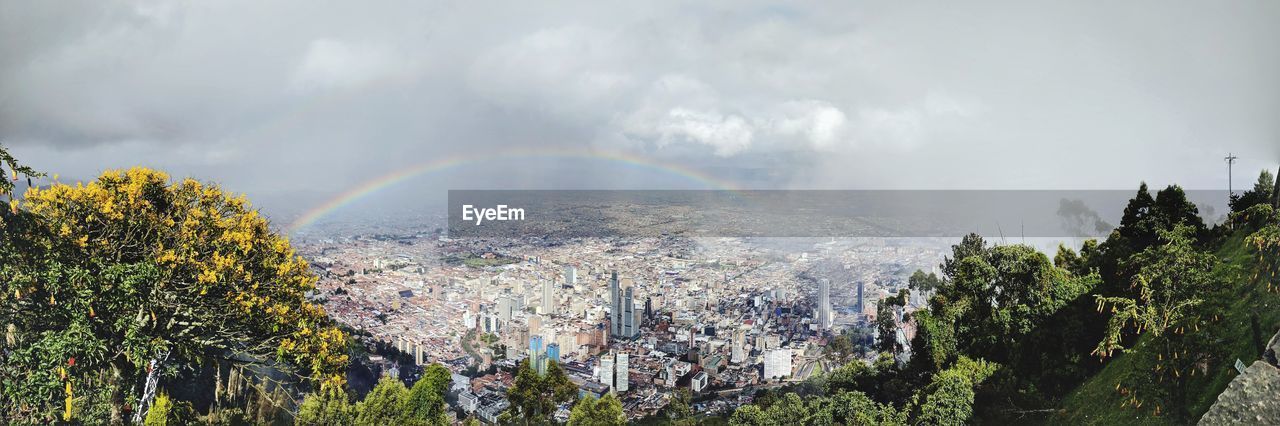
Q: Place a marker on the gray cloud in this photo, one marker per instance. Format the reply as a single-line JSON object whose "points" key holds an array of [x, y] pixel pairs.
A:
{"points": [[292, 97]]}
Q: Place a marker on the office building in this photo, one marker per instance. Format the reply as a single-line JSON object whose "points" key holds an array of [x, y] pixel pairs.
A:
{"points": [[777, 363], [824, 319], [605, 370], [553, 352], [698, 382], [506, 307], [570, 275], [621, 376], [630, 316], [548, 297], [615, 306], [738, 354], [535, 324], [624, 319], [535, 346], [860, 301]]}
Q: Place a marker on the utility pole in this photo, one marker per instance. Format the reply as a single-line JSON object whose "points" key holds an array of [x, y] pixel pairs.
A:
{"points": [[1231, 159]]}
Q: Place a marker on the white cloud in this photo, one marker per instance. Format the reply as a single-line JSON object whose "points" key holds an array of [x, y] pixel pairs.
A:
{"points": [[821, 124], [336, 64], [728, 134], [836, 89], [571, 70]]}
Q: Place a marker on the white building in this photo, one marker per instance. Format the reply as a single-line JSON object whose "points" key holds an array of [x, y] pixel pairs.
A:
{"points": [[698, 382], [468, 401], [777, 363], [622, 379], [570, 275], [548, 297], [738, 354], [606, 370]]}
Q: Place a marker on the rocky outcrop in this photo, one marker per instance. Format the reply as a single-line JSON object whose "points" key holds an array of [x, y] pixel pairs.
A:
{"points": [[1253, 397]]}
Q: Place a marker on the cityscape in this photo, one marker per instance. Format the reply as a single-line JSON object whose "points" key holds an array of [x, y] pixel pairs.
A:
{"points": [[656, 213], [641, 318]]}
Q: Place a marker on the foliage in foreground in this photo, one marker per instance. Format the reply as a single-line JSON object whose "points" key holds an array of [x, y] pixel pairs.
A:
{"points": [[106, 284], [390, 402], [534, 397], [589, 411]]}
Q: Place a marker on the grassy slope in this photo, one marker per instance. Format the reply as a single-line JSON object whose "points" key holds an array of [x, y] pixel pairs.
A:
{"points": [[1097, 402]]}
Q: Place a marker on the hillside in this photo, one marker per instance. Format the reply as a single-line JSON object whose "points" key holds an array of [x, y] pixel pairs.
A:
{"points": [[1098, 401]]}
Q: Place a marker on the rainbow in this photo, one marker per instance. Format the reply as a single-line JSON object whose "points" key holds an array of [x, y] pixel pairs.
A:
{"points": [[376, 184]]}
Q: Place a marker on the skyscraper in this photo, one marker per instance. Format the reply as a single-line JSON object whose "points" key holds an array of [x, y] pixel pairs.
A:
{"points": [[621, 379], [777, 363], [860, 298], [630, 316], [506, 308], [570, 275], [548, 297], [624, 319], [553, 352], [537, 357], [824, 304], [535, 346], [738, 355], [607, 370], [615, 306]]}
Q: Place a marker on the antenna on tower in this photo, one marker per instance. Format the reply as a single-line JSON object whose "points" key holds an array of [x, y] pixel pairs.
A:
{"points": [[1231, 159]]}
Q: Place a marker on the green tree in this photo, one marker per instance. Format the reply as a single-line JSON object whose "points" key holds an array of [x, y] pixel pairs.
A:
{"points": [[748, 415], [16, 170], [887, 323], [165, 411], [1260, 194], [1266, 243], [425, 404], [384, 405], [1143, 219], [535, 397], [1275, 193], [606, 411], [853, 408], [329, 406], [680, 411], [841, 348], [100, 280], [922, 282], [948, 400], [1176, 284]]}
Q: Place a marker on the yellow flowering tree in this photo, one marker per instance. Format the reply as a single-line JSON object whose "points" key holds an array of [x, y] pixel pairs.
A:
{"points": [[100, 280]]}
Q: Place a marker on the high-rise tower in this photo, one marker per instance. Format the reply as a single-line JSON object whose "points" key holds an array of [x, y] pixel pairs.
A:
{"points": [[615, 306], [621, 377], [548, 297], [630, 316], [824, 304], [861, 300]]}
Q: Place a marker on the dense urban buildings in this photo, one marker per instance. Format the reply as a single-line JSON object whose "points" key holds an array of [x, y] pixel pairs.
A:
{"points": [[640, 318]]}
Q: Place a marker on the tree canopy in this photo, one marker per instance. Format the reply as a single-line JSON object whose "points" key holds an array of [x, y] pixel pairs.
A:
{"points": [[589, 411], [535, 397], [103, 283]]}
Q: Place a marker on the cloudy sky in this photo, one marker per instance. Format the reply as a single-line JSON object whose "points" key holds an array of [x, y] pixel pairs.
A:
{"points": [[299, 100]]}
